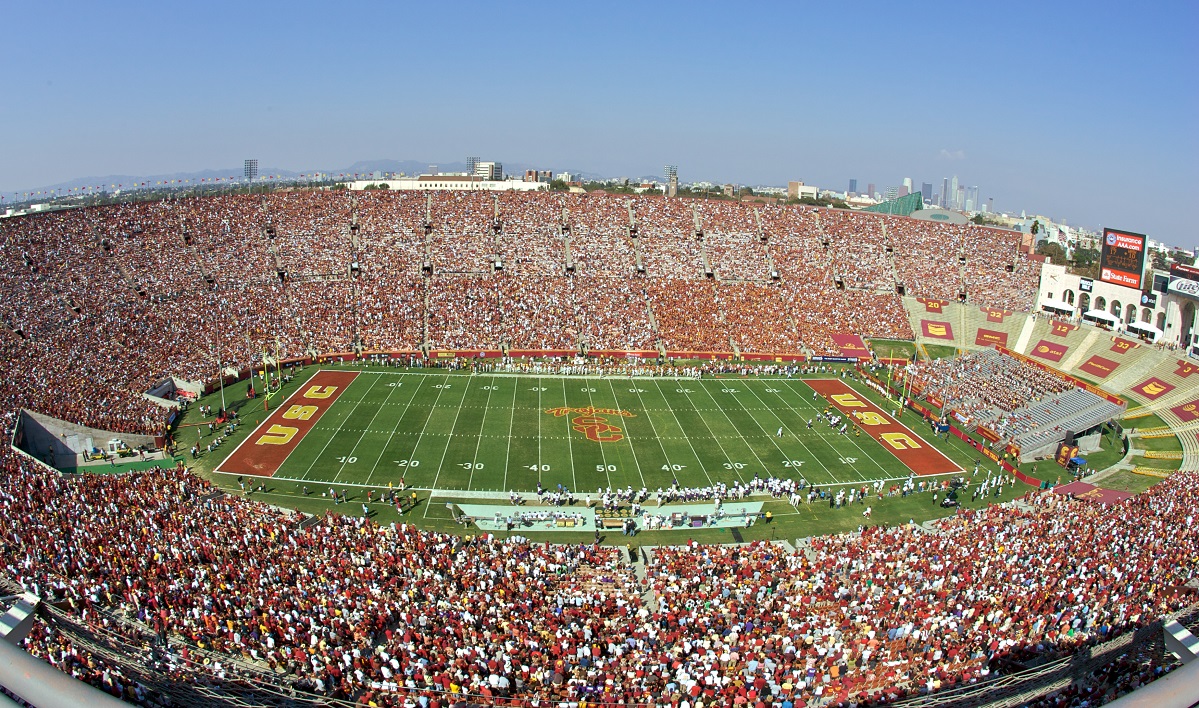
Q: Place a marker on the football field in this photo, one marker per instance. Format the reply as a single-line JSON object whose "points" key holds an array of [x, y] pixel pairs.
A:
{"points": [[457, 434]]}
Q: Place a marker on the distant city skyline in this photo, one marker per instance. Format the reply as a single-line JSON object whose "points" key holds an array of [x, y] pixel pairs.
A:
{"points": [[1047, 115]]}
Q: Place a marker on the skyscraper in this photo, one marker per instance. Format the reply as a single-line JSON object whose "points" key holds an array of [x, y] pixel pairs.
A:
{"points": [[991, 204], [907, 183], [954, 199], [926, 191], [853, 186], [944, 192], [870, 190]]}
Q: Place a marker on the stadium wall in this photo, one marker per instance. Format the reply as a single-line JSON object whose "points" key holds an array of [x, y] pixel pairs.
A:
{"points": [[42, 432]]}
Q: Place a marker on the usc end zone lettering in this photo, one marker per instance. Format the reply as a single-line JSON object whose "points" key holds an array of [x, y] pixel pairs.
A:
{"points": [[263, 453], [594, 427], [910, 448], [282, 434]]}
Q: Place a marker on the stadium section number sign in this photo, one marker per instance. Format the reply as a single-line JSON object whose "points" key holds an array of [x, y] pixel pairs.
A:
{"points": [[1122, 258]]}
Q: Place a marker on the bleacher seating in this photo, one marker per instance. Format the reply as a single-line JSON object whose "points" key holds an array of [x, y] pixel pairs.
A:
{"points": [[101, 303], [303, 271]]}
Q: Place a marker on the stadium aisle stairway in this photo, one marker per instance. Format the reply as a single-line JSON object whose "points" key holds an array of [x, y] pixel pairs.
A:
{"points": [[1026, 332], [975, 318], [1081, 353]]}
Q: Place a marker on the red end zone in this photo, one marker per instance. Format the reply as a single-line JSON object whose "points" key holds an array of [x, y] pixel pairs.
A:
{"points": [[910, 448], [263, 453]]}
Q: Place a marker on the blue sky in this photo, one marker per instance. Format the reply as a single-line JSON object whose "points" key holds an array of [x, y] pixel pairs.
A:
{"points": [[1079, 110]]}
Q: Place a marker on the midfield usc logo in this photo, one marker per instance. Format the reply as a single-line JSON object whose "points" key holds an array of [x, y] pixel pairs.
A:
{"points": [[593, 423]]}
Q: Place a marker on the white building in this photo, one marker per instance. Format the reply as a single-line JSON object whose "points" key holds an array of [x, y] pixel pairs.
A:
{"points": [[1159, 316], [489, 171], [452, 182]]}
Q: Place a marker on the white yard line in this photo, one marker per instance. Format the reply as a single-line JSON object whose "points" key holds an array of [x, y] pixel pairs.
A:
{"points": [[449, 439], [797, 437], [688, 437], [383, 450], [365, 430], [654, 428], [627, 437], [852, 425], [511, 426], [539, 409], [570, 445], [725, 413], [326, 446], [470, 482], [765, 432]]}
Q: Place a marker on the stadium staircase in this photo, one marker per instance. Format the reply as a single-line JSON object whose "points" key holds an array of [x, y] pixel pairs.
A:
{"points": [[974, 318], [641, 571], [1075, 357], [961, 333], [1021, 343]]}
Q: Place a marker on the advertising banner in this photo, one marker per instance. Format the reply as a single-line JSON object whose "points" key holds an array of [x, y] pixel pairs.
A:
{"points": [[1185, 288], [1051, 351], [936, 330], [1121, 346], [1187, 412], [994, 315], [850, 345], [1122, 258], [1061, 329], [1099, 367], [1153, 388], [989, 337]]}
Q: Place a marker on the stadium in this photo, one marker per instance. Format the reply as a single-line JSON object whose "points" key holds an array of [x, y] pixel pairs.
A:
{"points": [[434, 448]]}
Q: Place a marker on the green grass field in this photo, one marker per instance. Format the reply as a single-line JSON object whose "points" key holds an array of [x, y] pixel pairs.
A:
{"points": [[450, 432], [371, 435]]}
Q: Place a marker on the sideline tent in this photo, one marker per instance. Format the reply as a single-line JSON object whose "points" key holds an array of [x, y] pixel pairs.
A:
{"points": [[1057, 306], [1102, 316], [1146, 328]]}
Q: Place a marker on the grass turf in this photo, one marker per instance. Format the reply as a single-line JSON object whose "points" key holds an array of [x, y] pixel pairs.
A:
{"points": [[446, 431], [672, 427]]}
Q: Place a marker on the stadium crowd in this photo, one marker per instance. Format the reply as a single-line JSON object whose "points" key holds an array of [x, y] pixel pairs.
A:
{"points": [[985, 385], [348, 609], [103, 303]]}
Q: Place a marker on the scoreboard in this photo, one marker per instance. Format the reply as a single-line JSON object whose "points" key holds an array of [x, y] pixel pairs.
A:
{"points": [[1122, 258]]}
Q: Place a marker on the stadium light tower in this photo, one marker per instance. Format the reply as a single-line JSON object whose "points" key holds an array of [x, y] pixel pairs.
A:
{"points": [[251, 170]]}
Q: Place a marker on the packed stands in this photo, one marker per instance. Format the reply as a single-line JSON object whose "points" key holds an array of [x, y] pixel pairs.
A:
{"points": [[989, 254], [757, 318], [857, 245], [339, 607], [227, 278], [464, 312], [101, 304], [926, 257], [1033, 408], [688, 315], [986, 385], [612, 313]]}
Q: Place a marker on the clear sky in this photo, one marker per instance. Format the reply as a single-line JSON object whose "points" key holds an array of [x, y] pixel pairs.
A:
{"points": [[1083, 111]]}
